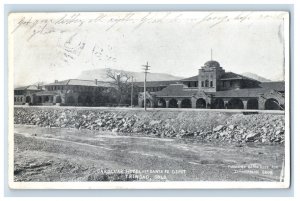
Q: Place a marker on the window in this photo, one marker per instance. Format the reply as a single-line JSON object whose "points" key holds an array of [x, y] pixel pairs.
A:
{"points": [[21, 99], [15, 99], [206, 83], [231, 83], [202, 83], [211, 83], [189, 84]]}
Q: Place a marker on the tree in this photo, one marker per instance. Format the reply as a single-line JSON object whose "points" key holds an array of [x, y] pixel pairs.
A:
{"points": [[122, 84]]}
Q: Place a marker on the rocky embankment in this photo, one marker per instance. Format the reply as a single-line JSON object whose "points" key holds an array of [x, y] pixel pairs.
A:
{"points": [[203, 125]]}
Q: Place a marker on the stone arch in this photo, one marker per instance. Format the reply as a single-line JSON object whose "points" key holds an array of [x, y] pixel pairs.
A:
{"points": [[186, 103], [235, 103], [218, 104], [148, 103], [46, 99], [173, 103], [200, 103], [272, 104], [88, 100], [28, 99], [161, 103], [39, 99], [70, 100], [252, 104], [80, 100], [58, 99]]}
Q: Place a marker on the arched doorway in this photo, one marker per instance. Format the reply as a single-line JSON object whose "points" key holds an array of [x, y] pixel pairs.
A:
{"points": [[28, 99], [200, 103], [272, 104], [39, 99], [252, 104], [148, 103], [173, 103], [161, 103], [218, 104], [58, 99], [235, 103], [70, 100], [88, 101], [46, 99], [80, 100], [186, 103]]}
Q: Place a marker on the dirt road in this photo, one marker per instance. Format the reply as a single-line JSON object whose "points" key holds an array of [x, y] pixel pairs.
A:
{"points": [[57, 154]]}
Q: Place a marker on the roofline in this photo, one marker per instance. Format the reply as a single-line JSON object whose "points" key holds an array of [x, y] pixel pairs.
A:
{"points": [[68, 81], [174, 96]]}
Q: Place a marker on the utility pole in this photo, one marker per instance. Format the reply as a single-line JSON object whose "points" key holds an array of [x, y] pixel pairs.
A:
{"points": [[146, 70], [131, 91]]}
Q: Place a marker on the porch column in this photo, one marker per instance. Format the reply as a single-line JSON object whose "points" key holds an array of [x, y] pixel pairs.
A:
{"points": [[245, 104], [151, 104], [261, 103], [179, 103], [225, 104], [193, 100], [167, 103]]}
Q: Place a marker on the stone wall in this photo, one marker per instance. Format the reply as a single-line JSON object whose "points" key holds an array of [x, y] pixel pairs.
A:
{"points": [[203, 125]]}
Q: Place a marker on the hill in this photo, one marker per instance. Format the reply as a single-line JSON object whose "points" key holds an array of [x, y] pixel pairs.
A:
{"points": [[256, 77], [100, 74]]}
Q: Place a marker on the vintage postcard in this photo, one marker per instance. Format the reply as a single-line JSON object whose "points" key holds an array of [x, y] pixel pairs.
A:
{"points": [[149, 100]]}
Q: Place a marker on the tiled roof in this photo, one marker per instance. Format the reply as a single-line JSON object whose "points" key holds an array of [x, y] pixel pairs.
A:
{"points": [[250, 92], [78, 82], [194, 78], [212, 63], [46, 93], [176, 90], [29, 87], [278, 86], [156, 83], [234, 76]]}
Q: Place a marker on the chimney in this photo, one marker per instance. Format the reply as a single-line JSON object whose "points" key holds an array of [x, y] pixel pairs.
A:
{"points": [[56, 81], [96, 81]]}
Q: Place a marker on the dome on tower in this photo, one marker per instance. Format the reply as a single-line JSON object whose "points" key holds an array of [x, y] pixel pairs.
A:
{"points": [[212, 63]]}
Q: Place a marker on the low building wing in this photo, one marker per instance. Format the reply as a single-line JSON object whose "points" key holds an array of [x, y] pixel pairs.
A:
{"points": [[278, 86], [175, 90]]}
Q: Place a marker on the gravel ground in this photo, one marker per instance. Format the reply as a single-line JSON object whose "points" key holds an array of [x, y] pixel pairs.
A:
{"points": [[69, 154]]}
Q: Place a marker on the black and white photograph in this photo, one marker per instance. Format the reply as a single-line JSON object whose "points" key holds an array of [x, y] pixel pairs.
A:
{"points": [[149, 100]]}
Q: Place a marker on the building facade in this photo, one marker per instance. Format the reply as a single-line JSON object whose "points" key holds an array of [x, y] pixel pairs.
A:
{"points": [[71, 92], [214, 88], [23, 95]]}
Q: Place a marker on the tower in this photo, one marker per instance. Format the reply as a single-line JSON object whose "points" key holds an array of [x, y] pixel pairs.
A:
{"points": [[208, 76]]}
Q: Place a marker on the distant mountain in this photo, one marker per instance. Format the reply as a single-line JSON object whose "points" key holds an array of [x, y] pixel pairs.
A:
{"points": [[100, 74], [256, 77]]}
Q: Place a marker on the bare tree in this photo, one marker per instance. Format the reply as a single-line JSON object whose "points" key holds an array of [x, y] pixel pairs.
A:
{"points": [[121, 82]]}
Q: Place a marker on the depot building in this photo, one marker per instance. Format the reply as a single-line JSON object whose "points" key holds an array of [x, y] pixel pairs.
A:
{"points": [[214, 88]]}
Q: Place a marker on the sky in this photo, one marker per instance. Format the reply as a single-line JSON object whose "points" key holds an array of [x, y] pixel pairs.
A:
{"points": [[44, 47]]}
